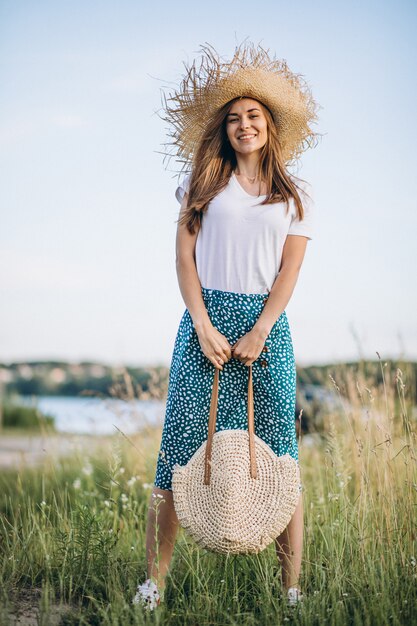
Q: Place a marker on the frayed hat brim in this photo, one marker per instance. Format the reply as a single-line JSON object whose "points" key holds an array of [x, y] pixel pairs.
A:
{"points": [[252, 73]]}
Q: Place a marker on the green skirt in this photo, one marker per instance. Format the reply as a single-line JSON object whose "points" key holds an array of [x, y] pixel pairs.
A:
{"points": [[191, 379]]}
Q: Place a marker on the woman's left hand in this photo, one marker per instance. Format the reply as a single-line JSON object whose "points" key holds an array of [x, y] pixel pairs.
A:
{"points": [[248, 347]]}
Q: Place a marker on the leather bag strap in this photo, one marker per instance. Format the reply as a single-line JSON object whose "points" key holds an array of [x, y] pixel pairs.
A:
{"points": [[212, 426]]}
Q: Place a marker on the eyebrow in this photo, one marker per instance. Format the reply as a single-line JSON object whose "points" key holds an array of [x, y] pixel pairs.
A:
{"points": [[248, 111]]}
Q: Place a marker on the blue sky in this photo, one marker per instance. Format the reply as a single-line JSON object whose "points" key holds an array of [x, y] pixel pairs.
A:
{"points": [[87, 206]]}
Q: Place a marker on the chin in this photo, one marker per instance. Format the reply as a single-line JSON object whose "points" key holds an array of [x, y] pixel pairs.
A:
{"points": [[247, 149]]}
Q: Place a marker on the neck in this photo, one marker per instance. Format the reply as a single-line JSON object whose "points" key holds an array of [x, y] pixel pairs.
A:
{"points": [[247, 164]]}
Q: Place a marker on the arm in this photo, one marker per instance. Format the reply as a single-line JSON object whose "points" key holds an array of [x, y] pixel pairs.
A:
{"points": [[213, 344], [248, 348], [188, 280], [284, 284]]}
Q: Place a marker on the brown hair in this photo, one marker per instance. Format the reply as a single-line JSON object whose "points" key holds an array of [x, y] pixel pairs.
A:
{"points": [[215, 160]]}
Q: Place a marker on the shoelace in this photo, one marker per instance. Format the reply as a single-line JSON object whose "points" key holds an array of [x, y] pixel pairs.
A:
{"points": [[148, 595]]}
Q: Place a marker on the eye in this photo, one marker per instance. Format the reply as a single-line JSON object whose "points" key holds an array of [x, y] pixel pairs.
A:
{"points": [[235, 119]]}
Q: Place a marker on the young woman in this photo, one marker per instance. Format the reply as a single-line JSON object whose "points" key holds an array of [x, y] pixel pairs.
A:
{"points": [[242, 233]]}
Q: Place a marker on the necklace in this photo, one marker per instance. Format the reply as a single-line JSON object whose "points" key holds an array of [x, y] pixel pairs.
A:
{"points": [[250, 179]]}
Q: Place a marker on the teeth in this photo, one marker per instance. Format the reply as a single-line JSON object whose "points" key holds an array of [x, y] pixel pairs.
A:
{"points": [[246, 136]]}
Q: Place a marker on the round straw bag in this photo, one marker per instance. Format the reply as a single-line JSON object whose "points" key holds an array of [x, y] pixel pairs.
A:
{"points": [[235, 495]]}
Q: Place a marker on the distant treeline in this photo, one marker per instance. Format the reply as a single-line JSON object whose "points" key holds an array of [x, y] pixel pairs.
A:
{"points": [[41, 378], [94, 379]]}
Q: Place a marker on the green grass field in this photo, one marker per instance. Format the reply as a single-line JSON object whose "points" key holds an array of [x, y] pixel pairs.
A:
{"points": [[72, 533]]}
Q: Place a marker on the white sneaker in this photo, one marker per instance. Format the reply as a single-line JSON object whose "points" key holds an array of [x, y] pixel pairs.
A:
{"points": [[147, 595], [294, 596]]}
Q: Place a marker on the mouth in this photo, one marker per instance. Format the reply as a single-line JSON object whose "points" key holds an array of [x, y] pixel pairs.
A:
{"points": [[247, 137]]}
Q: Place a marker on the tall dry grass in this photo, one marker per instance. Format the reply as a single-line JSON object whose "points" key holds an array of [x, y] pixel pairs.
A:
{"points": [[75, 530]]}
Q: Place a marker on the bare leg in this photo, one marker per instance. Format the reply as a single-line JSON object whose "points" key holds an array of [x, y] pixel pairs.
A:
{"points": [[161, 513], [289, 546]]}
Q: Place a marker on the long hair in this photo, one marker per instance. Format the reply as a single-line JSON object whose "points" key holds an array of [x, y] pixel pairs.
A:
{"points": [[215, 159]]}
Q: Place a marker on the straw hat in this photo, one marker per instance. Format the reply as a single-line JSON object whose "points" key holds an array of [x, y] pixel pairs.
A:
{"points": [[252, 73]]}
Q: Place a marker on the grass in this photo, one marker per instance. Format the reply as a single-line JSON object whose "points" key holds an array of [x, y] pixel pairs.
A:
{"points": [[73, 532], [17, 417]]}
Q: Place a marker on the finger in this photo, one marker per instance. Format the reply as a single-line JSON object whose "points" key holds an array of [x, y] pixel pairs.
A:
{"points": [[222, 353], [247, 361], [217, 363]]}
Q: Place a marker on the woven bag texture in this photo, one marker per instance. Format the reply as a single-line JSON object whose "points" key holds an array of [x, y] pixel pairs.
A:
{"points": [[236, 513]]}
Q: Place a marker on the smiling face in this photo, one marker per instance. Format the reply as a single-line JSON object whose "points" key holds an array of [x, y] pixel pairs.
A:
{"points": [[246, 126]]}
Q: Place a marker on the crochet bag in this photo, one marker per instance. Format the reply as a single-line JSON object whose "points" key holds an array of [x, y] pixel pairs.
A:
{"points": [[235, 495]]}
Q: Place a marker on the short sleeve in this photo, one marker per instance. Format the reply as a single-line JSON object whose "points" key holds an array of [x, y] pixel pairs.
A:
{"points": [[183, 187], [304, 227]]}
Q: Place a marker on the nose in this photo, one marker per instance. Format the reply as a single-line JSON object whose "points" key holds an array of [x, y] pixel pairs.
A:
{"points": [[244, 123]]}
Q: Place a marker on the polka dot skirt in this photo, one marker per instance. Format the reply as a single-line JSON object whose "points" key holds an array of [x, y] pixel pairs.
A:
{"points": [[191, 379]]}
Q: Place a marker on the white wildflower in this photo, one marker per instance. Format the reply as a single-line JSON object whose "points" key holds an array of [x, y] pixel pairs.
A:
{"points": [[333, 496], [87, 469], [77, 483]]}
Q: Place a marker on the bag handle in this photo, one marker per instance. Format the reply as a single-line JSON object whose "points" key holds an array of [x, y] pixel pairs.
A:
{"points": [[212, 426]]}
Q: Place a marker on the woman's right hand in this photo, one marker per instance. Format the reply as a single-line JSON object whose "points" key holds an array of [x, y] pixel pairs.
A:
{"points": [[215, 346]]}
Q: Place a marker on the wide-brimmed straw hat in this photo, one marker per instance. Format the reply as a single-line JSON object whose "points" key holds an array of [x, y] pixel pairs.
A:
{"points": [[252, 72]]}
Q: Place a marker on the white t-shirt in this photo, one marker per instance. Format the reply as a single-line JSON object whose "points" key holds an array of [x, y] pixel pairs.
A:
{"points": [[239, 244]]}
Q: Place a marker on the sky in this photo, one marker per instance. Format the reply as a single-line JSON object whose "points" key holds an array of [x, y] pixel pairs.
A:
{"points": [[87, 205]]}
